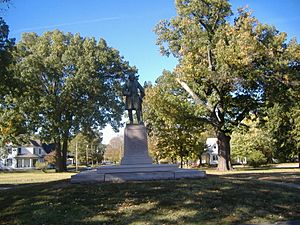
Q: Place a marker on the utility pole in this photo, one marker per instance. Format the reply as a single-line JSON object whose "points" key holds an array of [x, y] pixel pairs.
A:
{"points": [[87, 155], [92, 155], [76, 157]]}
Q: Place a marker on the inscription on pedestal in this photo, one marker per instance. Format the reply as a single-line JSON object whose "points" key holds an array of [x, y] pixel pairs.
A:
{"points": [[135, 145]]}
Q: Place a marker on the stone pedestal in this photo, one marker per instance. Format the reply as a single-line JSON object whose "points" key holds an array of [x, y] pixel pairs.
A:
{"points": [[135, 146], [138, 172], [135, 164]]}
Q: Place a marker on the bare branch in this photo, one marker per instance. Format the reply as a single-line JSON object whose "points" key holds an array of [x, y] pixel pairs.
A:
{"points": [[192, 94]]}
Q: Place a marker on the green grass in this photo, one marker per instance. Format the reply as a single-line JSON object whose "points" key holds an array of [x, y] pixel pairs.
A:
{"points": [[219, 199], [286, 175], [31, 177]]}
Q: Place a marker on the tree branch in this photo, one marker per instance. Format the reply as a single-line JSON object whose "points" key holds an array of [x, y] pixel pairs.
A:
{"points": [[217, 19], [191, 93]]}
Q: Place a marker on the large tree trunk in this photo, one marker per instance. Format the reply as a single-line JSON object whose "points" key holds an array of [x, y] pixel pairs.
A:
{"points": [[200, 160], [181, 161], [65, 140], [58, 156], [224, 163], [61, 155], [64, 153]]}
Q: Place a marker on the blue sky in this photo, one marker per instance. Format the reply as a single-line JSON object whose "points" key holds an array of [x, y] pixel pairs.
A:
{"points": [[127, 25]]}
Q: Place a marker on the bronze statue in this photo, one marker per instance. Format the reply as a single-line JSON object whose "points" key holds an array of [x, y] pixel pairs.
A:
{"points": [[134, 93]]}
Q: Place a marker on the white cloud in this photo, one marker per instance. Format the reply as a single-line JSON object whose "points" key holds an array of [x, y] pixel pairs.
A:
{"points": [[65, 24]]}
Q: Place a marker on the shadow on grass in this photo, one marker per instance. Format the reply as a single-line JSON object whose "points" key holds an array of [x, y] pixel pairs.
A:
{"points": [[285, 177], [215, 200]]}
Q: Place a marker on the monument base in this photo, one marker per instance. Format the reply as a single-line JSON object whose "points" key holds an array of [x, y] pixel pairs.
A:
{"points": [[135, 145], [136, 164], [139, 172]]}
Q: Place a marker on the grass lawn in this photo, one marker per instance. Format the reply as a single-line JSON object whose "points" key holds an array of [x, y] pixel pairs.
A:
{"points": [[286, 175], [31, 177], [230, 198]]}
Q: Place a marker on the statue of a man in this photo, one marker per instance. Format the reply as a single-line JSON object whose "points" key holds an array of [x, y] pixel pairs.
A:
{"points": [[134, 93]]}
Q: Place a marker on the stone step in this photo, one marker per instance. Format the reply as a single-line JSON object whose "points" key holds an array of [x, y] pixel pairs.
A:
{"points": [[93, 176]]}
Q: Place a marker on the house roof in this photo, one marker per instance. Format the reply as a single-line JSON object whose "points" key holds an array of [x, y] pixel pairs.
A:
{"points": [[28, 156], [31, 143], [34, 143], [48, 147]]}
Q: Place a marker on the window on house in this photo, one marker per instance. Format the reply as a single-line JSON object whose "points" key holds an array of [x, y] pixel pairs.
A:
{"points": [[40, 151], [19, 163], [9, 162], [19, 150], [26, 162], [9, 150], [215, 157]]}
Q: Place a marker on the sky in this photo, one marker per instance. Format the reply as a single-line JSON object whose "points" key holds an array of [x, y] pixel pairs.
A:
{"points": [[127, 25]]}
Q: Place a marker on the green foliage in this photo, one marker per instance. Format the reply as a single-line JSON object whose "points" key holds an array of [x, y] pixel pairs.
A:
{"points": [[41, 166], [253, 142], [256, 159], [68, 84], [113, 151], [295, 132], [89, 147], [11, 121], [168, 117], [12, 127], [6, 46], [279, 125], [228, 70]]}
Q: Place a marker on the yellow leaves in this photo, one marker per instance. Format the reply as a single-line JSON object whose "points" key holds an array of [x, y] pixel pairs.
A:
{"points": [[293, 49], [10, 125], [6, 129]]}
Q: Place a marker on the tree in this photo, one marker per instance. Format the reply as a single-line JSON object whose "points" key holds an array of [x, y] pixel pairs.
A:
{"points": [[278, 124], [97, 153], [11, 121], [89, 147], [295, 132], [69, 84], [279, 117], [168, 116], [253, 142], [6, 46], [228, 69], [113, 151], [154, 150]]}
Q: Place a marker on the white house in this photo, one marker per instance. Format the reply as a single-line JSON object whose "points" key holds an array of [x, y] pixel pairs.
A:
{"points": [[211, 155], [23, 157]]}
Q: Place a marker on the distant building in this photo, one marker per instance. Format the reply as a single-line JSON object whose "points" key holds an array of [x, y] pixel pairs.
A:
{"points": [[23, 157], [211, 155], [240, 160]]}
